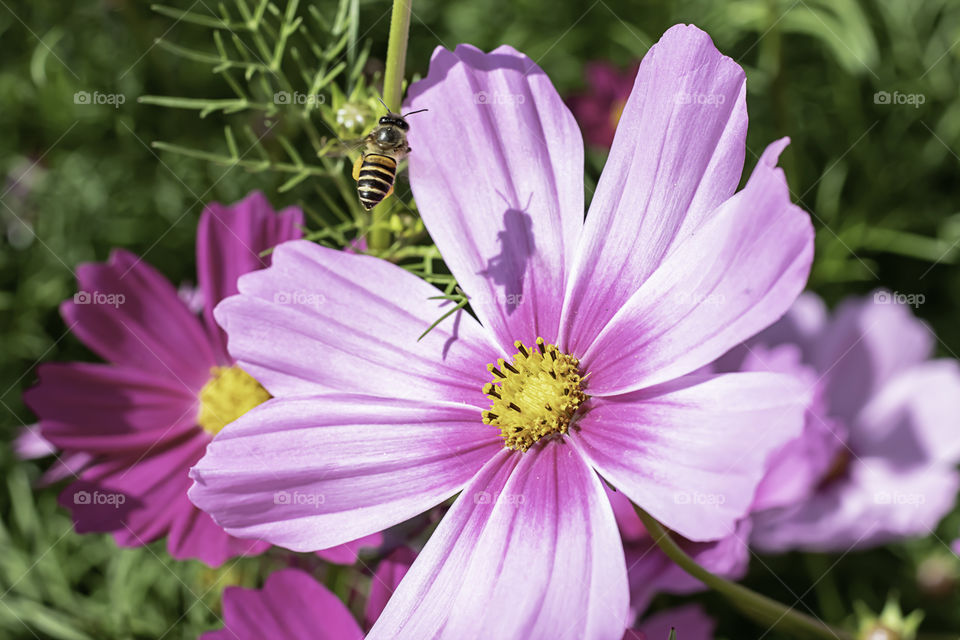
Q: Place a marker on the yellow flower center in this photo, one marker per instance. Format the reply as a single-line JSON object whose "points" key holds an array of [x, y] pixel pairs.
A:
{"points": [[535, 396], [229, 394]]}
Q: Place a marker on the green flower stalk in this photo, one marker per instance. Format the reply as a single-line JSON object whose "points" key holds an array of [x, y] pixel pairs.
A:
{"points": [[379, 239]]}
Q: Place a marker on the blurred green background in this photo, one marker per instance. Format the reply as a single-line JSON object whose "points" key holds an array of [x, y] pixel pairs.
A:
{"points": [[882, 181]]}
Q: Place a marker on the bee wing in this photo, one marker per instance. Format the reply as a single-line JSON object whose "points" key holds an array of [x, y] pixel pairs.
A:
{"points": [[341, 148]]}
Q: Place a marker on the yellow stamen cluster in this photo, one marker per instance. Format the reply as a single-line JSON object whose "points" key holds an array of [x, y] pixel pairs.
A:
{"points": [[534, 396], [229, 394]]}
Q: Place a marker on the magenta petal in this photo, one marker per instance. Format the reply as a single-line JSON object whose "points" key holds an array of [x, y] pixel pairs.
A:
{"points": [[874, 505], [315, 472], [507, 215], [128, 314], [677, 155], [103, 409], [139, 500], [678, 450], [230, 240], [738, 273], [690, 621], [348, 552], [291, 606], [538, 519], [323, 320], [386, 578]]}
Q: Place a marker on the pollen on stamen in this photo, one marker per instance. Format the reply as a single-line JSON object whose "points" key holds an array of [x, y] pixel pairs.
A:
{"points": [[534, 396]]}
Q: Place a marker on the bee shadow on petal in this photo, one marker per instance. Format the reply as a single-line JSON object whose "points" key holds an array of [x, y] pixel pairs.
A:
{"points": [[508, 267]]}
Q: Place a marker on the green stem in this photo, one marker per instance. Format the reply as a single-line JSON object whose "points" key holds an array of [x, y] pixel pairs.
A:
{"points": [[761, 608], [379, 238]]}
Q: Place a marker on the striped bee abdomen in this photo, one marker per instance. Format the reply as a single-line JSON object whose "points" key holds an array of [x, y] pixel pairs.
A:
{"points": [[375, 179]]}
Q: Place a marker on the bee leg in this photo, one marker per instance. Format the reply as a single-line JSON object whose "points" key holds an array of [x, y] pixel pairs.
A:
{"points": [[356, 168]]}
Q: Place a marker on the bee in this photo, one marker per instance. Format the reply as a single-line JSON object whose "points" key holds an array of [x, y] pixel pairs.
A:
{"points": [[376, 169]]}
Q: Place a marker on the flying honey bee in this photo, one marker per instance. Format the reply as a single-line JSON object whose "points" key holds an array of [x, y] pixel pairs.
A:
{"points": [[376, 169]]}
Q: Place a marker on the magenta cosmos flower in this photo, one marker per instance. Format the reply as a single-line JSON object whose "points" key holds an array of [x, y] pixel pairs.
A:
{"points": [[143, 418], [577, 363], [291, 606], [877, 459], [599, 107]]}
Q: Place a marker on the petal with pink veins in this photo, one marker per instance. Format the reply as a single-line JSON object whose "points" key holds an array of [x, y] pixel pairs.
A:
{"points": [[692, 452], [529, 549], [315, 472], [731, 277], [677, 155], [322, 320], [506, 211]]}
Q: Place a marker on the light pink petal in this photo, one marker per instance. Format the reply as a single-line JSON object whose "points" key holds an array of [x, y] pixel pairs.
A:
{"points": [[677, 155], [690, 621], [315, 472], [505, 210], [737, 274], [692, 452], [130, 315], [230, 240], [30, 444], [912, 419], [105, 409], [868, 342], [874, 504], [348, 552], [291, 606], [67, 465], [529, 549], [323, 320], [386, 578]]}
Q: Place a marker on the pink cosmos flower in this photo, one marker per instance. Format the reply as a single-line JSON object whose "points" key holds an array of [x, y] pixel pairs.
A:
{"points": [[876, 462], [579, 361], [599, 107], [690, 621], [143, 418], [291, 606]]}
